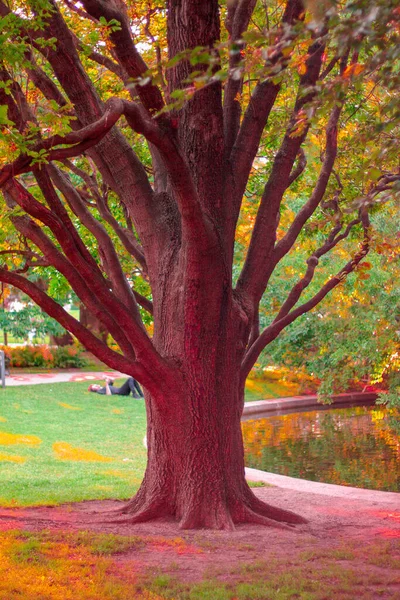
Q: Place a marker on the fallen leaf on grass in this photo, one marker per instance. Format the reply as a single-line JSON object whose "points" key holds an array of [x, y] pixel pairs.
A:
{"points": [[65, 451], [12, 458], [65, 405], [7, 439]]}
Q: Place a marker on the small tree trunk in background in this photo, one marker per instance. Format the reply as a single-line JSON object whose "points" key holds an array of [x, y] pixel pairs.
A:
{"points": [[87, 319], [65, 339], [3, 301]]}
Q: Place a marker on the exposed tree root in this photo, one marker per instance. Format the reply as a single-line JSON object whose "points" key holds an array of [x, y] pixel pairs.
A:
{"points": [[277, 514], [217, 515], [139, 517], [249, 516], [153, 510], [212, 517]]}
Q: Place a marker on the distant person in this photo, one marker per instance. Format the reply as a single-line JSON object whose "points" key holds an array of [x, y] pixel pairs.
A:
{"points": [[7, 363], [130, 385]]}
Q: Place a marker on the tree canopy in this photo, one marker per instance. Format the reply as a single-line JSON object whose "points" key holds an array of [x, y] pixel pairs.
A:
{"points": [[164, 158]]}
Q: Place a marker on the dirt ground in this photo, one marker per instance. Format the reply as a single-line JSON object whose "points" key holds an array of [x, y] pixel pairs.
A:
{"points": [[334, 523]]}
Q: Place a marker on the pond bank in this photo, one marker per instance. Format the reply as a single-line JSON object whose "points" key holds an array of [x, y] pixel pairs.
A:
{"points": [[326, 489], [282, 406]]}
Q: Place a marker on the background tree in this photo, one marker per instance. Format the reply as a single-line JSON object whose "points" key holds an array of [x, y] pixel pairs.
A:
{"points": [[351, 339], [233, 99]]}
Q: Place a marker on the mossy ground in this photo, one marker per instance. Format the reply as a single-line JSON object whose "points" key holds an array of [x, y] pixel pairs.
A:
{"points": [[88, 566]]}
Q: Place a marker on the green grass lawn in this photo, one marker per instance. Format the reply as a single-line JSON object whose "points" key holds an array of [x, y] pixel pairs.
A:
{"points": [[61, 443], [11, 339]]}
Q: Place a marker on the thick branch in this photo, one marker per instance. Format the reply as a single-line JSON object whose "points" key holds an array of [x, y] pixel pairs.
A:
{"points": [[200, 120], [126, 51], [256, 116], [91, 342], [80, 12], [254, 276], [194, 225], [239, 15]]}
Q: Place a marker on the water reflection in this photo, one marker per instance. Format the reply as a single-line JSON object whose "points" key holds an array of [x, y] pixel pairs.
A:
{"points": [[352, 446]]}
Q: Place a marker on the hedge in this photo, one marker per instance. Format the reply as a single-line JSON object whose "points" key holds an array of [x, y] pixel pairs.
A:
{"points": [[62, 357]]}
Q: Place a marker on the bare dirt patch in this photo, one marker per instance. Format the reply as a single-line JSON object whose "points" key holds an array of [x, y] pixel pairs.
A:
{"points": [[338, 529]]}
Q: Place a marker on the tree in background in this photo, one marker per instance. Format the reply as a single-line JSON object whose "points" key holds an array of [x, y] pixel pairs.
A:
{"points": [[29, 319], [23, 319], [214, 101], [352, 339]]}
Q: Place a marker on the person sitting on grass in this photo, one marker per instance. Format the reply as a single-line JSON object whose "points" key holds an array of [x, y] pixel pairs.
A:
{"points": [[130, 385]]}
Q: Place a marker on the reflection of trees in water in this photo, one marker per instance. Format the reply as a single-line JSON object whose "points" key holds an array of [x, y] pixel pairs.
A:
{"points": [[353, 446]]}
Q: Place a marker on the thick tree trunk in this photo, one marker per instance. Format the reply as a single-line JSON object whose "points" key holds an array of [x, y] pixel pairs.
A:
{"points": [[195, 470]]}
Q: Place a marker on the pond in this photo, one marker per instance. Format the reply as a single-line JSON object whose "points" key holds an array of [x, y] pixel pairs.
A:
{"points": [[358, 446]]}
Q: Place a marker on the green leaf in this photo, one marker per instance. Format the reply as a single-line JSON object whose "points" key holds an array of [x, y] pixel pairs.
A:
{"points": [[4, 120], [374, 173]]}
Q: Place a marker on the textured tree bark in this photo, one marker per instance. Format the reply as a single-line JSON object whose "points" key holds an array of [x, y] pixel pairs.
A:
{"points": [[195, 469]]}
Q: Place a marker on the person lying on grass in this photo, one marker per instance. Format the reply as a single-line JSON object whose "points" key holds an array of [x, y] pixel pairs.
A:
{"points": [[130, 385]]}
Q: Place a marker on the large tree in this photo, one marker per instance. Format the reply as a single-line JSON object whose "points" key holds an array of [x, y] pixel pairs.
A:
{"points": [[215, 101]]}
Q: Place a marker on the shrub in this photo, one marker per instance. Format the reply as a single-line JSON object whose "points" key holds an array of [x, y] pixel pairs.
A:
{"points": [[44, 356], [298, 376], [68, 357]]}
